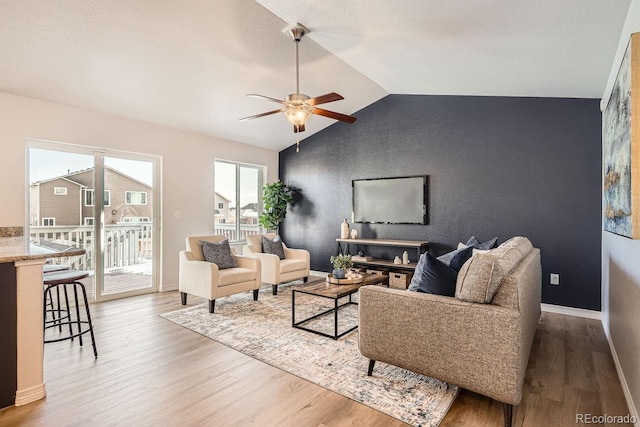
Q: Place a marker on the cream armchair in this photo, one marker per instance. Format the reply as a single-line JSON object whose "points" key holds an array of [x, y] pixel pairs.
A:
{"points": [[204, 279], [275, 270]]}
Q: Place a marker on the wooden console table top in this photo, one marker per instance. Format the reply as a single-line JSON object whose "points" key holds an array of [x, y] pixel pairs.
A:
{"points": [[386, 242]]}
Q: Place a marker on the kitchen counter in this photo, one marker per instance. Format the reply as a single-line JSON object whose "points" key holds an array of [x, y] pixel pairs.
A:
{"points": [[21, 299]]}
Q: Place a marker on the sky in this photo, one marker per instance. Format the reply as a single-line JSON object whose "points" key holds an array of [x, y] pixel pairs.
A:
{"points": [[45, 164]]}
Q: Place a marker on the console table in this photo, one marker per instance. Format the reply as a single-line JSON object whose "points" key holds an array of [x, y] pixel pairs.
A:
{"points": [[419, 246]]}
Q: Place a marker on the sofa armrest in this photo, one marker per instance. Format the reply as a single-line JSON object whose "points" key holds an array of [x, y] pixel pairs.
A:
{"points": [[196, 277], [249, 249], [475, 346], [301, 254], [251, 263], [269, 266]]}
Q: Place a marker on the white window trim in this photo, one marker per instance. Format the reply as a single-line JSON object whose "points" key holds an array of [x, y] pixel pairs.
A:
{"points": [[60, 191], [220, 205], [108, 193], [88, 221], [138, 192], [52, 220]]}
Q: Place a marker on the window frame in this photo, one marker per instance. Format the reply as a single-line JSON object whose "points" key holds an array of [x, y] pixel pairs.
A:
{"points": [[49, 219], [60, 193], [130, 193]]}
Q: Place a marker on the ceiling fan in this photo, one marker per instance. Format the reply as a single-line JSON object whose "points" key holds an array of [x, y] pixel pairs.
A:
{"points": [[298, 107]]}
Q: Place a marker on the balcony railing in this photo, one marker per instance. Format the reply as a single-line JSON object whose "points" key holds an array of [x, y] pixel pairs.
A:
{"points": [[125, 244], [229, 231]]}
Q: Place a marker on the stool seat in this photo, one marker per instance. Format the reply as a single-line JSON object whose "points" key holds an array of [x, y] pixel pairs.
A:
{"points": [[49, 268], [62, 277]]}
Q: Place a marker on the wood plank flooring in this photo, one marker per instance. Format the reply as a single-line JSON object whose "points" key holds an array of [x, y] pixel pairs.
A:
{"points": [[151, 372]]}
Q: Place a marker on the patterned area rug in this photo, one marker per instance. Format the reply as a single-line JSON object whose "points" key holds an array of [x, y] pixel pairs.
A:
{"points": [[262, 330]]}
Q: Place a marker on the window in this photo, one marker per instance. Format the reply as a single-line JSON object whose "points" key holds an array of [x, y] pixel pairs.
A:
{"points": [[88, 221], [48, 222], [60, 191], [240, 186], [89, 197], [135, 197]]}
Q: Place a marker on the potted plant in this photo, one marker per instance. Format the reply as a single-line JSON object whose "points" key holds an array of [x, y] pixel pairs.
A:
{"points": [[275, 198], [341, 263]]}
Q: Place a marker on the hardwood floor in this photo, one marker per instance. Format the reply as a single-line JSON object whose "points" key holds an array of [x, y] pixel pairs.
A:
{"points": [[151, 372]]}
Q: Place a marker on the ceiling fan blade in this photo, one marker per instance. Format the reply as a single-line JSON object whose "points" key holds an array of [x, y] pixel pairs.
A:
{"points": [[297, 129], [323, 99], [334, 115], [268, 98], [262, 115]]}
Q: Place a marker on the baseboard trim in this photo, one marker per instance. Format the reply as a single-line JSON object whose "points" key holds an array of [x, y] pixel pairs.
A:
{"points": [[623, 382], [169, 287], [31, 394], [571, 311]]}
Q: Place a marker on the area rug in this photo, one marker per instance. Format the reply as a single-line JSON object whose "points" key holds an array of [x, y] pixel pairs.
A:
{"points": [[262, 330]]}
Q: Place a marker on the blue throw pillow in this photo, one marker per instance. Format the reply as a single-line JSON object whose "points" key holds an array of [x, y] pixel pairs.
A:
{"points": [[484, 246], [437, 277], [456, 258], [417, 274], [218, 253]]}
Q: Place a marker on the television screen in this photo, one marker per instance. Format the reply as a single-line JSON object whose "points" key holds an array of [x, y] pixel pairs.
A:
{"points": [[401, 200]]}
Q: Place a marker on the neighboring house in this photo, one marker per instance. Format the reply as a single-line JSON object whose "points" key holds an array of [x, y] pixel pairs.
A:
{"points": [[222, 209], [70, 199], [249, 214]]}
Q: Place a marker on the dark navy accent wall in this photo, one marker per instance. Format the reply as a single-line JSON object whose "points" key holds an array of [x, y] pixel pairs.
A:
{"points": [[497, 167]]}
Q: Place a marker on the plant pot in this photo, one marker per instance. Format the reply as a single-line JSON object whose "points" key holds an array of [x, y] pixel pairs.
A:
{"points": [[339, 274]]}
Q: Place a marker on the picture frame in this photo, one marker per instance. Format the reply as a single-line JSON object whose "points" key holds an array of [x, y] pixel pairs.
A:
{"points": [[621, 148]]}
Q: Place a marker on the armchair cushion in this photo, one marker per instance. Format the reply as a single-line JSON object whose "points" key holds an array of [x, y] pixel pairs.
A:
{"points": [[218, 253], [235, 275], [288, 265], [273, 246]]}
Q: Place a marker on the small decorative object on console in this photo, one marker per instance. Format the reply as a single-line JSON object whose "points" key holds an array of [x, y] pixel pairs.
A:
{"points": [[344, 230], [354, 234], [397, 260], [405, 257]]}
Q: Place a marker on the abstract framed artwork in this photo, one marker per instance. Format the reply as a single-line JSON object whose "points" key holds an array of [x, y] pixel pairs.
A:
{"points": [[621, 148]]}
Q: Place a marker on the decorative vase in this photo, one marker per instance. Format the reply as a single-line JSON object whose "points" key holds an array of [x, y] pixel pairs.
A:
{"points": [[344, 231], [354, 234], [397, 260], [405, 257], [339, 274]]}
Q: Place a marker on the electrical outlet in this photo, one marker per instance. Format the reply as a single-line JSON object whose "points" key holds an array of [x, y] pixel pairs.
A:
{"points": [[554, 279]]}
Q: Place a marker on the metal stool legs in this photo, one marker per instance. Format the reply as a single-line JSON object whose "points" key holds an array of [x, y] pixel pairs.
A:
{"points": [[64, 316]]}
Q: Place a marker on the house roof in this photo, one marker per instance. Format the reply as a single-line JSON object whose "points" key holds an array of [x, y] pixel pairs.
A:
{"points": [[192, 69], [71, 174]]}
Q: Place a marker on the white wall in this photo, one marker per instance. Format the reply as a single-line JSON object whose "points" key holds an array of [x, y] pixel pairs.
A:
{"points": [[187, 163], [621, 266]]}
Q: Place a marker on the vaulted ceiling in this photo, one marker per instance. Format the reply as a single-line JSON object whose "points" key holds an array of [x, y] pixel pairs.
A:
{"points": [[188, 64]]}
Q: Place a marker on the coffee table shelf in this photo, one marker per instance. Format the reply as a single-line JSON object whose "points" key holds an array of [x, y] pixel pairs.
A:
{"points": [[322, 288]]}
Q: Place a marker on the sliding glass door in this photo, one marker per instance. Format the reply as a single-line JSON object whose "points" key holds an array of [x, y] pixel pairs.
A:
{"points": [[103, 201]]}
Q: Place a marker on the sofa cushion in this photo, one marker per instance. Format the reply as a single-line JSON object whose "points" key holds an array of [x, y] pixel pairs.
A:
{"points": [[218, 253], [273, 246], [437, 277], [480, 278], [235, 275]]}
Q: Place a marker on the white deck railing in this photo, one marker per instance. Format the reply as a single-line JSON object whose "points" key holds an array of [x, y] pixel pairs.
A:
{"points": [[124, 244], [229, 231]]}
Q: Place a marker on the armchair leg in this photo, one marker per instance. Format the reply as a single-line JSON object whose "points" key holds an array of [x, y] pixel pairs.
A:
{"points": [[275, 289], [305, 279], [212, 305], [183, 298], [255, 294], [508, 414], [371, 364]]}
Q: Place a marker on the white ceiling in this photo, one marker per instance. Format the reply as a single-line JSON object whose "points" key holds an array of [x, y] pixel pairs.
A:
{"points": [[188, 64]]}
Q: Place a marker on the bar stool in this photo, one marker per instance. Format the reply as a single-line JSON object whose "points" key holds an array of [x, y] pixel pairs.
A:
{"points": [[62, 280], [56, 313]]}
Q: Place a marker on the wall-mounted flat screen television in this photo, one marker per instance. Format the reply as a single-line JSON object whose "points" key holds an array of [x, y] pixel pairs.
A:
{"points": [[401, 200]]}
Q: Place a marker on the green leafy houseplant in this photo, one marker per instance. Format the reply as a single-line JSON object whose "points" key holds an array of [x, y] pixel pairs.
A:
{"points": [[341, 263], [275, 198]]}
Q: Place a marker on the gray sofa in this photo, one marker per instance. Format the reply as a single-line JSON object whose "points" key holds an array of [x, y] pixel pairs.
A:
{"points": [[479, 340]]}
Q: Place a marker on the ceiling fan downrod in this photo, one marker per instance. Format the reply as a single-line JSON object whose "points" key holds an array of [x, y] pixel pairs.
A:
{"points": [[296, 33]]}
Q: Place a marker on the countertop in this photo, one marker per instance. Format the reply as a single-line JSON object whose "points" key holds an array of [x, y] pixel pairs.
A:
{"points": [[14, 249]]}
